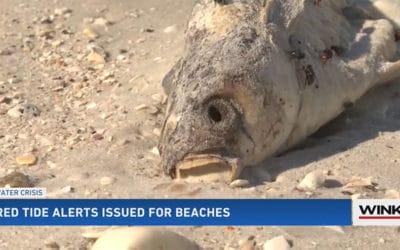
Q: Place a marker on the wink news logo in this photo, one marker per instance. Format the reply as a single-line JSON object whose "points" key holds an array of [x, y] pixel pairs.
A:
{"points": [[376, 212], [379, 211]]}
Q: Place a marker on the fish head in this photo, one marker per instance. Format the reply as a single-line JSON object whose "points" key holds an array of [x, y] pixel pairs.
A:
{"points": [[229, 95]]}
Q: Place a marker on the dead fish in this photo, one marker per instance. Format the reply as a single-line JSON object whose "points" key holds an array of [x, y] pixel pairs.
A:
{"points": [[238, 93]]}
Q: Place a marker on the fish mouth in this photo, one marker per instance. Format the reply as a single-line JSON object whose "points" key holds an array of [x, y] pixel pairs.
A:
{"points": [[208, 168]]}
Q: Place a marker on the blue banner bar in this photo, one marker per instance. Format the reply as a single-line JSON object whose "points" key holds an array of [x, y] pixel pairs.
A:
{"points": [[175, 212]]}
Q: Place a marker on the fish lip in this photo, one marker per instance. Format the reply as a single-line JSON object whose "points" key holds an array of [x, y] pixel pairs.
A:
{"points": [[170, 163], [194, 156], [216, 162]]}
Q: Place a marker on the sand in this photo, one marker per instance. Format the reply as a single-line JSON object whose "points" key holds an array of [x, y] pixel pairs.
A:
{"points": [[88, 80]]}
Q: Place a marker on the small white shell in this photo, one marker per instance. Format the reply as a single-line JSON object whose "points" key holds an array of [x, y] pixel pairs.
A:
{"points": [[143, 238], [277, 243], [312, 181]]}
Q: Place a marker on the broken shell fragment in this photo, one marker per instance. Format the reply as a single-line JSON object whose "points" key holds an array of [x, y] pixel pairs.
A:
{"points": [[359, 184], [208, 168], [239, 183], [27, 159], [392, 194], [89, 33], [96, 58], [312, 181]]}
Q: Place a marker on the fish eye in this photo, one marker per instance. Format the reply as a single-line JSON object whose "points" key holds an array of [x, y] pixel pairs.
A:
{"points": [[220, 112], [214, 114]]}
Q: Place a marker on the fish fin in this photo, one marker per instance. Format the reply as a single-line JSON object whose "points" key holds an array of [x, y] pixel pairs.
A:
{"points": [[389, 71], [168, 80]]}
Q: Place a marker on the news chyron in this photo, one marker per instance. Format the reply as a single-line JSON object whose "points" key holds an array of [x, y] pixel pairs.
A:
{"points": [[374, 212], [22, 193]]}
